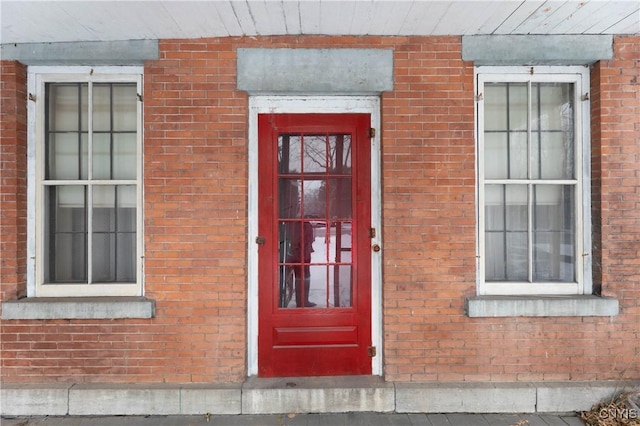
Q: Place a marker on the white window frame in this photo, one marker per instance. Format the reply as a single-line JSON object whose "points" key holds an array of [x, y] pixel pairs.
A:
{"points": [[37, 78], [579, 76]]}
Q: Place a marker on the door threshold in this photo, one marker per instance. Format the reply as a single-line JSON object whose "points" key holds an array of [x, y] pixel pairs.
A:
{"points": [[315, 382]]}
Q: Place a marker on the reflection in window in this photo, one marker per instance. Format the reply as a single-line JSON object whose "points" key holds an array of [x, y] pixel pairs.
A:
{"points": [[90, 225], [315, 205], [529, 182]]}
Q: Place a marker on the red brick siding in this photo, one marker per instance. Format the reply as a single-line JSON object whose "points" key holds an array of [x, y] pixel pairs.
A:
{"points": [[13, 179], [195, 161], [617, 141]]}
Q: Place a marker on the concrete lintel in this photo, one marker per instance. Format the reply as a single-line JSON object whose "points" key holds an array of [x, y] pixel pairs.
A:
{"points": [[578, 396], [78, 308], [465, 398], [50, 399], [577, 49], [541, 306], [317, 395], [315, 71], [125, 52]]}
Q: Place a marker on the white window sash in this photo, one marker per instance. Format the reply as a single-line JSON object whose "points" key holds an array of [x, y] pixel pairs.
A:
{"points": [[38, 77], [579, 77]]}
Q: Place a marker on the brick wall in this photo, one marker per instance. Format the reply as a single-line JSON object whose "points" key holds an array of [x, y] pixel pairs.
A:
{"points": [[616, 138], [13, 179], [195, 160]]}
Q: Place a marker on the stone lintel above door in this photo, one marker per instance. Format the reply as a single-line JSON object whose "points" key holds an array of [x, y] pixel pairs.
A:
{"points": [[315, 71]]}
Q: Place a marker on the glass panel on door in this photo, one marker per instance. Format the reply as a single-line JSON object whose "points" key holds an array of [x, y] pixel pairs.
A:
{"points": [[314, 224]]}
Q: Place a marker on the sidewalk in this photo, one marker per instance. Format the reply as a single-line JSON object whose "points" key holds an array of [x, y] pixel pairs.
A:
{"points": [[348, 419]]}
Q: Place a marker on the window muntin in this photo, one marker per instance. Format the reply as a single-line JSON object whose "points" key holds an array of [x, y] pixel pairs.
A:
{"points": [[88, 196], [530, 183]]}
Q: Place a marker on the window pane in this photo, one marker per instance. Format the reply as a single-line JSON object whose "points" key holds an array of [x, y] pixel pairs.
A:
{"points": [[125, 102], [114, 234], [65, 234], [517, 256], [505, 155], [518, 155], [289, 191], [552, 156], [101, 156], [339, 198], [114, 156], [339, 154], [67, 156], [556, 106], [553, 233], [506, 230], [318, 279], [313, 198], [64, 107], [339, 242], [127, 198], [495, 260], [84, 107], [494, 207], [340, 286], [518, 106], [495, 106], [101, 107], [65, 143], [315, 154], [553, 146], [496, 165], [516, 207], [63, 156], [124, 156], [289, 154]]}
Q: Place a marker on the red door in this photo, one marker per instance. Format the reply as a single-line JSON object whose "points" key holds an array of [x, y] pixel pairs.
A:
{"points": [[315, 250]]}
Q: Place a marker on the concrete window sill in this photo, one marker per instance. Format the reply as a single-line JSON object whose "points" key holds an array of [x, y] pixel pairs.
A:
{"points": [[78, 308], [541, 306]]}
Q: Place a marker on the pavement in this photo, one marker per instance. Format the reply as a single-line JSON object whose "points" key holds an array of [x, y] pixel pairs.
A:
{"points": [[346, 419]]}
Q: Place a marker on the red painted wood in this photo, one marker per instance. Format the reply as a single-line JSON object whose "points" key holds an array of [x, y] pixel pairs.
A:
{"points": [[314, 341]]}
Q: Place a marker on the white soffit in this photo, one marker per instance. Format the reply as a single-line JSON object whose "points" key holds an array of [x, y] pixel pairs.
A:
{"points": [[59, 21]]}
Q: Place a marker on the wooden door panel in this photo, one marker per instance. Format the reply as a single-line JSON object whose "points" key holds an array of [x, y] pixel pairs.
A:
{"points": [[294, 336], [314, 261]]}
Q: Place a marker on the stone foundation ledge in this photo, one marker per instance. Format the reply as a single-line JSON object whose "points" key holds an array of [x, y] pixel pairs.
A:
{"points": [[304, 395]]}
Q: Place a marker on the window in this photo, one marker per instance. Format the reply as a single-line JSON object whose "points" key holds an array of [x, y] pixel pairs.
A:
{"points": [[533, 186], [86, 141]]}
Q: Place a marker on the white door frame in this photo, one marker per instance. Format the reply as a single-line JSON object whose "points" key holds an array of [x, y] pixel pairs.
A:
{"points": [[326, 105]]}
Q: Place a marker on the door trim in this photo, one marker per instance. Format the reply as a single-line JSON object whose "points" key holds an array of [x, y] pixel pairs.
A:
{"points": [[325, 105]]}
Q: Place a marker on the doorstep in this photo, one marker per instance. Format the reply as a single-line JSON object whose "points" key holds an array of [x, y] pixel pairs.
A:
{"points": [[305, 395], [341, 394]]}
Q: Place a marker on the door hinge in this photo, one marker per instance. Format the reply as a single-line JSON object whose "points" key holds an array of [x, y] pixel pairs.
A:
{"points": [[372, 233], [372, 132], [260, 240], [479, 97], [371, 351]]}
